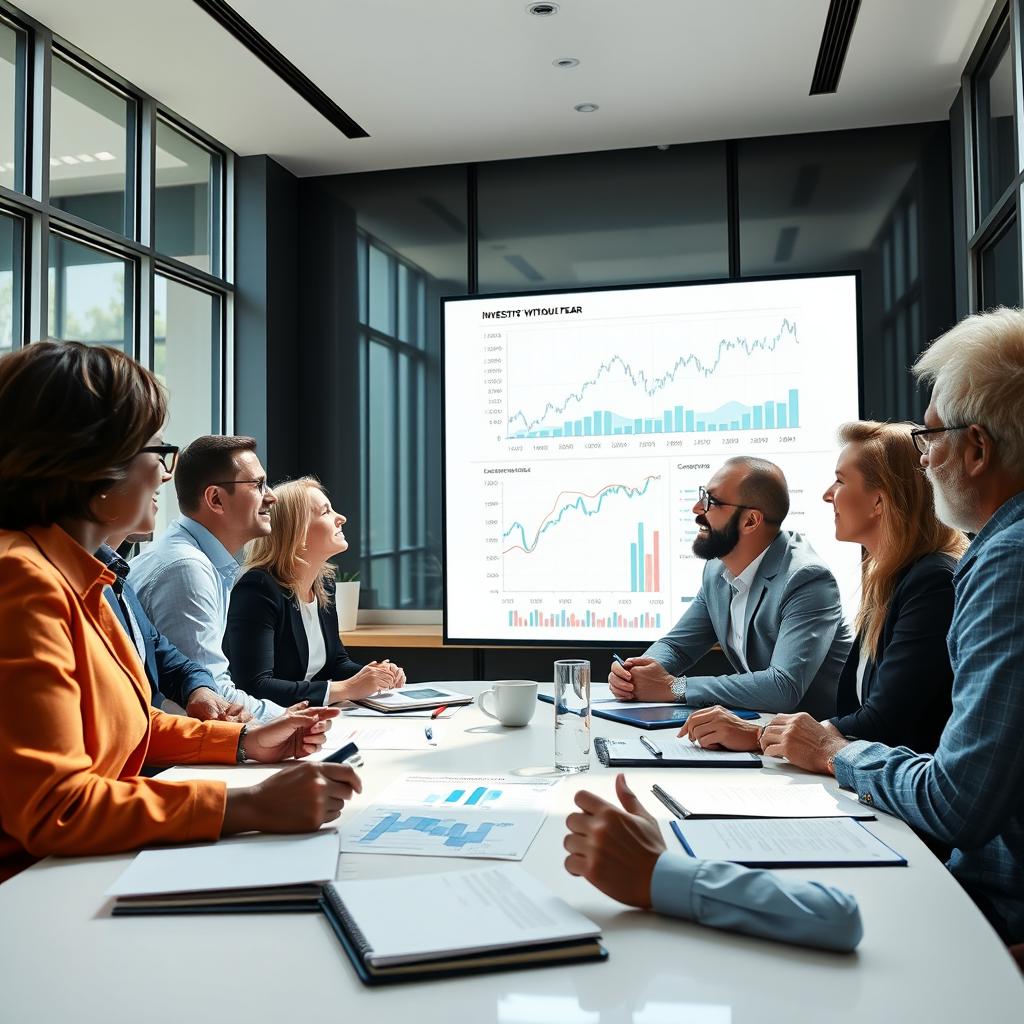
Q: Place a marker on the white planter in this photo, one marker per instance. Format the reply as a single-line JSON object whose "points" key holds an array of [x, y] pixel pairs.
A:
{"points": [[346, 599]]}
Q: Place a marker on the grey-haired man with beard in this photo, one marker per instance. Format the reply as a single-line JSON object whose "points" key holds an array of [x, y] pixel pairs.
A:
{"points": [[766, 598], [969, 794]]}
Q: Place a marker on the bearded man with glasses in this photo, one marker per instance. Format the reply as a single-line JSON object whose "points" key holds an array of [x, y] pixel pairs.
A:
{"points": [[766, 598]]}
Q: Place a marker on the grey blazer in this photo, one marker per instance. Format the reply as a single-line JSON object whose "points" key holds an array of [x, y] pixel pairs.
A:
{"points": [[797, 640]]}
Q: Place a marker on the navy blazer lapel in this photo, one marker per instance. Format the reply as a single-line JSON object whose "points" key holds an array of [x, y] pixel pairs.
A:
{"points": [[298, 631]]}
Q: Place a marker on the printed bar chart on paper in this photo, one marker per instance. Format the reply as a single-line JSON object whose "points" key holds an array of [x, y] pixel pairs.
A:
{"points": [[451, 816], [580, 425]]}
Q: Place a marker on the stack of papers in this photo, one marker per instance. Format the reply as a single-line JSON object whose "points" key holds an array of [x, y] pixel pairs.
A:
{"points": [[689, 799], [786, 842]]}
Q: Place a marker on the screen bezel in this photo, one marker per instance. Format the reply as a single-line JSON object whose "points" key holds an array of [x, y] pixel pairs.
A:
{"points": [[583, 644]]}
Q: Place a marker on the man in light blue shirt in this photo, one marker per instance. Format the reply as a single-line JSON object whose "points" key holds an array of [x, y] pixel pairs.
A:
{"points": [[184, 578], [621, 851]]}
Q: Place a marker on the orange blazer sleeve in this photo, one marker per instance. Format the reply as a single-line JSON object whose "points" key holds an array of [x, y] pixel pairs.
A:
{"points": [[75, 726], [174, 739]]}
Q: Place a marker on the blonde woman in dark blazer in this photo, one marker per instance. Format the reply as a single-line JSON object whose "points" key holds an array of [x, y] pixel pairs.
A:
{"points": [[282, 639]]}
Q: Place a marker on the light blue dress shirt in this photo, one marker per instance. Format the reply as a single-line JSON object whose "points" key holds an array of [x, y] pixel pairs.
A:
{"points": [[184, 580], [755, 902], [970, 793]]}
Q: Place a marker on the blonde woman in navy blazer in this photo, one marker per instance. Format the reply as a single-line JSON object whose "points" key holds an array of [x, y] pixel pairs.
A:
{"points": [[282, 639]]}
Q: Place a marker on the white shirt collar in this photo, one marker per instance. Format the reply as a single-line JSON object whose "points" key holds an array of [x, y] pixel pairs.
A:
{"points": [[741, 584]]}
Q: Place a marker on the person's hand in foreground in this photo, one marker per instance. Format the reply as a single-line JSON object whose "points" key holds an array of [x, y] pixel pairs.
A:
{"points": [[718, 729], [640, 679], [296, 799], [209, 706], [377, 675], [614, 848], [300, 731], [397, 673], [803, 741]]}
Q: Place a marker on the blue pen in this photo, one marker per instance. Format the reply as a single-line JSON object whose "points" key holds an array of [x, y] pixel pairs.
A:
{"points": [[615, 657]]}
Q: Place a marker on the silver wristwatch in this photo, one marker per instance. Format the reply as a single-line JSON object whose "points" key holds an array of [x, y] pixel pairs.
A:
{"points": [[678, 687]]}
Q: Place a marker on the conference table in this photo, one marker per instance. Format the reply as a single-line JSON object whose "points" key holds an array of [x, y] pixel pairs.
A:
{"points": [[927, 953]]}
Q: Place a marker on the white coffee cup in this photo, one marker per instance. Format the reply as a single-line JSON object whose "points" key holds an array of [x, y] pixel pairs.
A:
{"points": [[514, 701]]}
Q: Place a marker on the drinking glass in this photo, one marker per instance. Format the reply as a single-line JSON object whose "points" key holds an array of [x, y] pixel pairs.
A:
{"points": [[572, 716]]}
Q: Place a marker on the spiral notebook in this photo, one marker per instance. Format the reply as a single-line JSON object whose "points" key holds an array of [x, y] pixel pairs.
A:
{"points": [[456, 922]]}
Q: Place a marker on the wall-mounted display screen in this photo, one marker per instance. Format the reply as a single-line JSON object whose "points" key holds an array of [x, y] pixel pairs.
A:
{"points": [[579, 427]]}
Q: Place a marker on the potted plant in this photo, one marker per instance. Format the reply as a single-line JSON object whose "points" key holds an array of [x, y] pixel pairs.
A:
{"points": [[346, 599]]}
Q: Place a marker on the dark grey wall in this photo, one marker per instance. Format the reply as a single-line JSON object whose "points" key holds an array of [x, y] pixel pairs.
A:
{"points": [[267, 347]]}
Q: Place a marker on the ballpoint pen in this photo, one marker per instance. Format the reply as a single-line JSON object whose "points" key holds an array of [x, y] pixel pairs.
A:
{"points": [[655, 750], [436, 713]]}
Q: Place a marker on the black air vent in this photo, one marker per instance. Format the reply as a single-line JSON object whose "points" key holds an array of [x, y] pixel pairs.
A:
{"points": [[261, 47], [835, 41]]}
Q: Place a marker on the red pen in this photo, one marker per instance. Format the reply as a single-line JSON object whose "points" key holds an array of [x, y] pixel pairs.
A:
{"points": [[436, 713]]}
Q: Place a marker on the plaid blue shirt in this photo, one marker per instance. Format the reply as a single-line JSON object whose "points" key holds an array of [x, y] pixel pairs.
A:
{"points": [[970, 794]]}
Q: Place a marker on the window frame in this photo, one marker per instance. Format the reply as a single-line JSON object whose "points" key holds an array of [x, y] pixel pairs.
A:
{"points": [[33, 205], [419, 357]]}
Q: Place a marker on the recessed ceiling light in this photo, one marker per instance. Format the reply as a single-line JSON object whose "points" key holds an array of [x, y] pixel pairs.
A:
{"points": [[542, 10], [586, 108], [84, 158], [565, 62], [105, 156], [68, 160]]}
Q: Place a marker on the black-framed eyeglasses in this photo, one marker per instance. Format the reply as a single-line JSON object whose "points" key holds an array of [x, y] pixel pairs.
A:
{"points": [[922, 442], [166, 453], [260, 482], [709, 501]]}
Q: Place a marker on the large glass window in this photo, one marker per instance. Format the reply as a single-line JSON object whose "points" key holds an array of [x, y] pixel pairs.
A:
{"points": [[187, 198], [11, 107], [89, 294], [993, 118], [187, 359], [999, 269], [410, 244], [89, 147], [603, 218], [10, 281]]}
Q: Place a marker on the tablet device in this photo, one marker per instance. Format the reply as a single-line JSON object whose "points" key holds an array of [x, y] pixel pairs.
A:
{"points": [[666, 716]]}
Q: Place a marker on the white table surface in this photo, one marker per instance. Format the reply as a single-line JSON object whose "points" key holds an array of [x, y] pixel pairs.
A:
{"points": [[927, 954]]}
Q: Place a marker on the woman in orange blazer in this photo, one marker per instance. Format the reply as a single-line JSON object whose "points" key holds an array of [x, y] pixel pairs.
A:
{"points": [[81, 457]]}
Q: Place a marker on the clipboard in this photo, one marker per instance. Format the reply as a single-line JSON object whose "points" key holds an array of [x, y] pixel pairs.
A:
{"points": [[630, 754]]}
